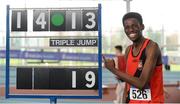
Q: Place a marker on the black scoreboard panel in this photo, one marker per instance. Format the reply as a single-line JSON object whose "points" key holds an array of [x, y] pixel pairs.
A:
{"points": [[74, 20], [41, 78], [90, 20], [40, 20], [57, 78], [56, 20], [24, 78], [19, 20], [87, 78]]}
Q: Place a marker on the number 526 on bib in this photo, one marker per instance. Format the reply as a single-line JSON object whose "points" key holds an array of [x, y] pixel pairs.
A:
{"points": [[137, 94]]}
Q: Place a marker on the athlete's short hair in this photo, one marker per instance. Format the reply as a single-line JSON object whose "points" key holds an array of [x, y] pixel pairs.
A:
{"points": [[133, 15]]}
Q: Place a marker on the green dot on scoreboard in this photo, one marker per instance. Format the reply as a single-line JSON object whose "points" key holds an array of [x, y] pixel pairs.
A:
{"points": [[57, 19]]}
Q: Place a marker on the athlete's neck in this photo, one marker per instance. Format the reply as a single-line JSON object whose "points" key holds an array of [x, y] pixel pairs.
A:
{"points": [[138, 42]]}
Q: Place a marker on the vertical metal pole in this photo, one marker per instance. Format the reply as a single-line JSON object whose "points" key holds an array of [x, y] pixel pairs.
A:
{"points": [[7, 50], [128, 5], [99, 52]]}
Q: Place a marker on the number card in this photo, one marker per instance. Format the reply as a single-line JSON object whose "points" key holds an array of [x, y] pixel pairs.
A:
{"points": [[19, 20], [73, 20], [40, 20], [57, 20], [90, 20]]}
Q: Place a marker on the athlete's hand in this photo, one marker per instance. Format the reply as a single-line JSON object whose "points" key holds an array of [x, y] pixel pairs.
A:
{"points": [[167, 95], [109, 63], [117, 78]]}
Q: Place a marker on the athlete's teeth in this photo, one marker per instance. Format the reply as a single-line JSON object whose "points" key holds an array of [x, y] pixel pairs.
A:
{"points": [[132, 35]]}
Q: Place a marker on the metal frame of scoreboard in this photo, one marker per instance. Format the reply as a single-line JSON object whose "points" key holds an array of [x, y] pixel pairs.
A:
{"points": [[52, 98]]}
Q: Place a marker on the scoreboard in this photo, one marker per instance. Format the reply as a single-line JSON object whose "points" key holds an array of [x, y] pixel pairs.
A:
{"points": [[56, 20], [62, 77]]}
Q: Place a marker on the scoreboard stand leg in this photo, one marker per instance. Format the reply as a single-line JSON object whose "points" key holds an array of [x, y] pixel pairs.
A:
{"points": [[53, 100]]}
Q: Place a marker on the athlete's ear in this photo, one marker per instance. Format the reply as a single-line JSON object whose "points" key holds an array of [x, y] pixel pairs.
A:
{"points": [[142, 26]]}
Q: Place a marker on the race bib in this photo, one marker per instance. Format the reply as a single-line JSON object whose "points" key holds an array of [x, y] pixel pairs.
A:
{"points": [[137, 94]]}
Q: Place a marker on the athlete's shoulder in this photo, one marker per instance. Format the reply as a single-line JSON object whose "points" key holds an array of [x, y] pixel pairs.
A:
{"points": [[128, 48], [152, 44], [127, 51], [153, 47]]}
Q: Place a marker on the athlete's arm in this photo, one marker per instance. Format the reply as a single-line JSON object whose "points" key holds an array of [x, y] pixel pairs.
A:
{"points": [[152, 53]]}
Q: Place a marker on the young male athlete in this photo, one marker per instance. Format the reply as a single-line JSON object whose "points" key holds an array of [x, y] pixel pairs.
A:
{"points": [[143, 77]]}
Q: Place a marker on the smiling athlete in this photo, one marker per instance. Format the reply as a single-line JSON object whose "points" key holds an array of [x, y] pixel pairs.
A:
{"points": [[143, 77]]}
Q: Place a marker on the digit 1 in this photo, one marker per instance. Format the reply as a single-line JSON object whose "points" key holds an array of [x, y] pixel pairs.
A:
{"points": [[18, 20], [73, 20], [73, 79]]}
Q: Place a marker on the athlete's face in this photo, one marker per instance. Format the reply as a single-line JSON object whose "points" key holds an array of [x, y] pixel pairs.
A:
{"points": [[133, 29]]}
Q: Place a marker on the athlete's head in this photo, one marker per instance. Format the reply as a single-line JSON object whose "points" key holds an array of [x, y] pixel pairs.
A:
{"points": [[118, 50], [133, 25]]}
